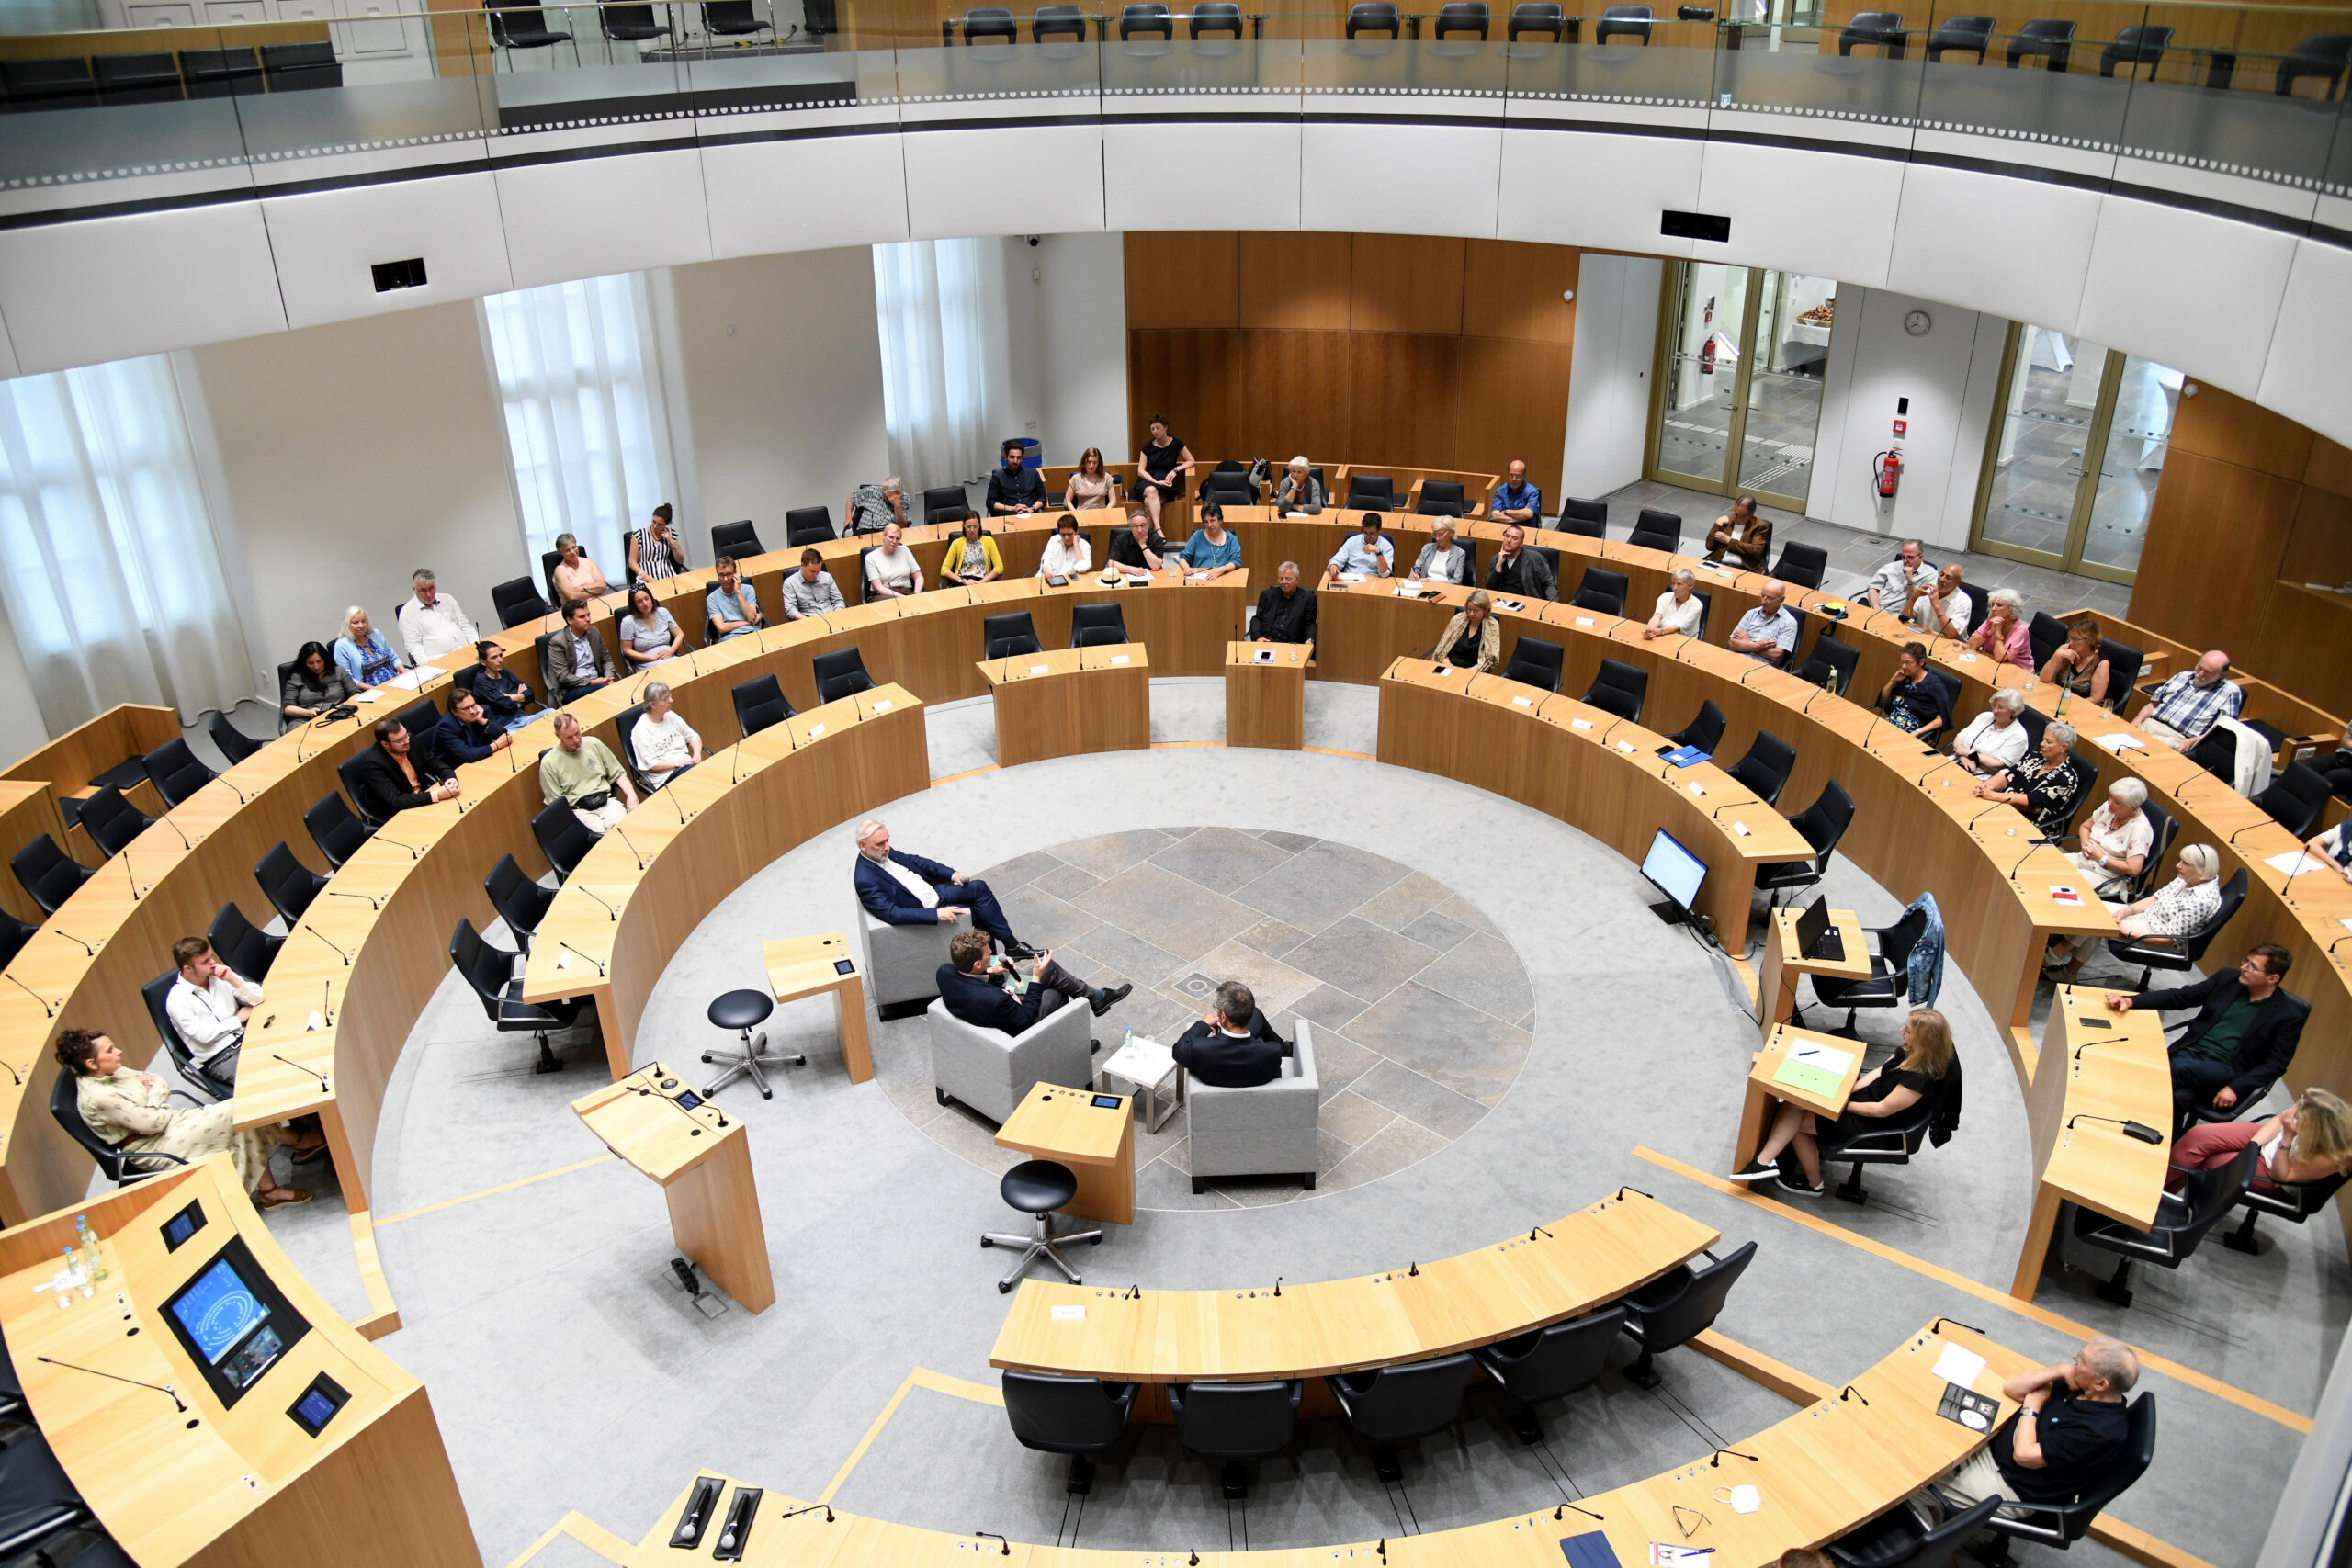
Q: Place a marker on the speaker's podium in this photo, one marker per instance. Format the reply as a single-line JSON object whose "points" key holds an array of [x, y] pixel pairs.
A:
{"points": [[702, 1157], [209, 1407]]}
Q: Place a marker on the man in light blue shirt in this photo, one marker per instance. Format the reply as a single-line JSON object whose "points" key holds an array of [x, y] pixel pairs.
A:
{"points": [[1516, 500], [1366, 553], [1768, 632], [732, 605]]}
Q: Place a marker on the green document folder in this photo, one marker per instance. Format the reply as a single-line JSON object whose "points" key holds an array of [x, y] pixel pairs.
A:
{"points": [[1820, 1082]]}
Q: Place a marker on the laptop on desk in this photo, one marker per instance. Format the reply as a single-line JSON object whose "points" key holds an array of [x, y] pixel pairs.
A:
{"points": [[1815, 937]]}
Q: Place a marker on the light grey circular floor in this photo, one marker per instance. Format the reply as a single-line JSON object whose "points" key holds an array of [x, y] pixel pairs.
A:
{"points": [[1424, 1012]]}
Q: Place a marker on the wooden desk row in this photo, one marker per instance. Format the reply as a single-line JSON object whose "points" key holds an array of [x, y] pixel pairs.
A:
{"points": [[1821, 1471]]}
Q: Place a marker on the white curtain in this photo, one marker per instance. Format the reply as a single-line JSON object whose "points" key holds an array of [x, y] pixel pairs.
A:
{"points": [[584, 425], [929, 302], [109, 564]]}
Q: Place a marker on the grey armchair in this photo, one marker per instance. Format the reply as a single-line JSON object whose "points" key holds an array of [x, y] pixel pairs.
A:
{"points": [[1266, 1131], [902, 961], [992, 1072]]}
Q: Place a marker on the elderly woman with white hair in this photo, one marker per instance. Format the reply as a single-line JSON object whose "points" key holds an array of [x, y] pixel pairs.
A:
{"points": [[1678, 608], [1442, 559], [665, 744], [2046, 785], [1995, 740], [2117, 837], [2003, 635], [2179, 909], [1300, 494]]}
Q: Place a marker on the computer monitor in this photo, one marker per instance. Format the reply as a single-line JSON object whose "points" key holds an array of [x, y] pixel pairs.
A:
{"points": [[1811, 925], [232, 1322], [1674, 871]]}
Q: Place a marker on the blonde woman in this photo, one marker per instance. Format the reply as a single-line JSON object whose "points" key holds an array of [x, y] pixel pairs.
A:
{"points": [[2080, 664], [1474, 638], [361, 652], [1883, 1091], [2181, 908], [1091, 486], [2309, 1141]]}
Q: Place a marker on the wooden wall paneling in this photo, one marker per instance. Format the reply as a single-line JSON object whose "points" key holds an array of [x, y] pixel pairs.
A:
{"points": [[1190, 375], [1296, 394], [1405, 283], [1296, 280], [1402, 387], [2215, 424], [2330, 467], [1512, 290], [1512, 401], [2319, 545], [2215, 537], [2296, 623], [1180, 279]]}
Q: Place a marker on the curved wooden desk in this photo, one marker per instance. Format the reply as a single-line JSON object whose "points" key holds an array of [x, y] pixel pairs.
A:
{"points": [[1881, 1445]]}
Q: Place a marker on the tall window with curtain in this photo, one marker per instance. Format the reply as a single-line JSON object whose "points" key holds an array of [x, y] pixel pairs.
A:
{"points": [[112, 575], [585, 425], [928, 303]]}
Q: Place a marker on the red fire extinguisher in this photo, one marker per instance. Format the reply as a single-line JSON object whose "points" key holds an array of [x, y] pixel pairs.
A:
{"points": [[1888, 467], [1707, 348]]}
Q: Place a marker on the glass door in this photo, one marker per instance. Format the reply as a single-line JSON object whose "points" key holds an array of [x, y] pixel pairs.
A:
{"points": [[2071, 473], [1739, 395]]}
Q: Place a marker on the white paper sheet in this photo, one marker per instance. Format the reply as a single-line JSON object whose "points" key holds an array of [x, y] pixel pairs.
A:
{"points": [[2294, 863], [2118, 744], [1959, 1365]]}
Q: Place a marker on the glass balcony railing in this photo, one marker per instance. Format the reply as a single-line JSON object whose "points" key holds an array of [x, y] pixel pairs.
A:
{"points": [[337, 89]]}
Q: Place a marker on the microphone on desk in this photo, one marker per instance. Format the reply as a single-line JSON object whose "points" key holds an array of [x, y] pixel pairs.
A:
{"points": [[1922, 779], [1716, 1462], [632, 848], [339, 953], [1984, 814], [1853, 1392], [301, 1068], [1871, 731], [2029, 848], [2247, 828], [373, 902], [2138, 1130], [672, 796], [77, 942], [222, 779], [299, 757], [1683, 648], [166, 820], [810, 1508], [577, 954], [326, 1002], [1718, 816], [414, 852], [610, 913], [991, 1535], [1537, 1231], [127, 874], [2339, 942], [1623, 1190], [1413, 1271], [159, 1387], [1936, 1327], [1761, 666], [1571, 1507], [1135, 1291]]}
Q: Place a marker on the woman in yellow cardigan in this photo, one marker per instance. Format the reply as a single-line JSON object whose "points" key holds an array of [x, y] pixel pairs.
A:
{"points": [[973, 557]]}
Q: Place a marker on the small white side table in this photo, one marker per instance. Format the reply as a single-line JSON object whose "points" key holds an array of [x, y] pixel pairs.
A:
{"points": [[1150, 1069]]}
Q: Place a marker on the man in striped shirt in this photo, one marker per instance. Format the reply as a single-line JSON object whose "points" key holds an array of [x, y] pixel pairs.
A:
{"points": [[2185, 708]]}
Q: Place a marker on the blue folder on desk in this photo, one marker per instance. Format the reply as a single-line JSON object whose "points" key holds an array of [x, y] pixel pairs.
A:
{"points": [[1590, 1550], [1683, 756]]}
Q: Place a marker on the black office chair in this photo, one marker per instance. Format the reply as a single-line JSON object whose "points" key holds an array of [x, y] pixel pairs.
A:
{"points": [[1656, 530], [1079, 1416], [48, 872], [1900, 1538], [2295, 1201], [733, 18], [631, 24], [2141, 44], [1831, 657], [1802, 566], [2182, 1219], [1536, 662], [1371, 492], [808, 526], [131, 78], [517, 602], [419, 717], [1002, 637], [841, 674], [1890, 980], [1619, 688], [2045, 634], [941, 499], [1216, 17], [122, 1169], [1447, 490], [1150, 17], [1822, 824], [1668, 1310], [1882, 29], [520, 901], [2296, 798], [349, 772], [759, 704], [2124, 662], [221, 72], [14, 934], [547, 574], [2161, 831], [2178, 957], [335, 829], [988, 22], [563, 837], [155, 993], [1230, 487], [1627, 21], [1705, 732], [625, 732], [241, 945], [1601, 589], [490, 971], [1425, 507], [1980, 607], [2059, 1524], [1389, 1405], [59, 82], [2050, 37], [1537, 19], [1461, 16], [1965, 33], [1095, 626], [513, 25], [1551, 1363], [1765, 767], [1892, 1140], [1057, 21], [1236, 1422], [288, 883], [2324, 55], [741, 540], [233, 744], [112, 821], [1588, 518], [175, 770]]}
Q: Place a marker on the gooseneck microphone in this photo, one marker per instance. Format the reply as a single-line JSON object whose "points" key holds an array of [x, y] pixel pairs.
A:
{"points": [[1572, 1508], [610, 913], [301, 1068], [339, 953], [77, 942], [185, 842], [48, 1005], [373, 902], [2138, 1130], [164, 1389], [1716, 1462], [632, 848], [414, 852], [577, 954], [326, 1002]]}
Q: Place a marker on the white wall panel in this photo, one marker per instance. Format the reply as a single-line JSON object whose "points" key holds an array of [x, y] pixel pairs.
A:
{"points": [[113, 287], [956, 186], [325, 241], [1886, 363], [2198, 293], [814, 193], [1979, 406], [1575, 187], [1779, 199], [8, 355], [1137, 158], [1084, 333], [1399, 179], [1609, 374], [593, 217], [1961, 235], [2304, 375]]}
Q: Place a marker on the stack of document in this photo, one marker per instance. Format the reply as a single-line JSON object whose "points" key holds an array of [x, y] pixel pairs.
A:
{"points": [[1815, 1069]]}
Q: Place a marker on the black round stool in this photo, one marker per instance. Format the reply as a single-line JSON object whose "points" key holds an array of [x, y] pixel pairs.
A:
{"points": [[1039, 1187], [745, 1010]]}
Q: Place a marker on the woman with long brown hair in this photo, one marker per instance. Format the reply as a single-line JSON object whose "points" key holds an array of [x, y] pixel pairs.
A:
{"points": [[1091, 484]]}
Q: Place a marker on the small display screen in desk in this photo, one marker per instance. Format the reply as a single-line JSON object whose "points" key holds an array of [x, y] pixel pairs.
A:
{"points": [[2092, 1023], [217, 1309], [182, 1226], [688, 1099], [318, 1404], [1107, 1102], [844, 966], [232, 1322]]}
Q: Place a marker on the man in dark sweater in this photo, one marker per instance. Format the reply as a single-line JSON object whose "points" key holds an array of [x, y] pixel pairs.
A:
{"points": [[2245, 1031], [1285, 609], [2071, 1433], [1232, 1046], [978, 990]]}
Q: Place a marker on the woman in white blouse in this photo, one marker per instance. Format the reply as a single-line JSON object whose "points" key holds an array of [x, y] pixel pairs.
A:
{"points": [[2116, 839], [1678, 609], [890, 569], [1068, 555], [2181, 908], [1996, 740]]}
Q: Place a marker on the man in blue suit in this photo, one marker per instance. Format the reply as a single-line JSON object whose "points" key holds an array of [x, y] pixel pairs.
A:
{"points": [[908, 890], [976, 988]]}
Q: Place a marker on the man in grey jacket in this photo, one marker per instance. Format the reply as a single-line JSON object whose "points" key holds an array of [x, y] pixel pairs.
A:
{"points": [[577, 658]]}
